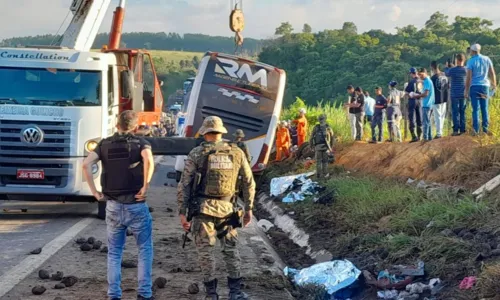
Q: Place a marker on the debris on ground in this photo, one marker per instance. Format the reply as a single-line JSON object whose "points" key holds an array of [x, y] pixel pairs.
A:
{"points": [[129, 264], [97, 245], [91, 240], [104, 249], [69, 281], [467, 283], [86, 247], [36, 251], [193, 289], [58, 276], [38, 290], [296, 187], [60, 286], [43, 274], [81, 241], [333, 275], [160, 282], [433, 188], [265, 225], [151, 209]]}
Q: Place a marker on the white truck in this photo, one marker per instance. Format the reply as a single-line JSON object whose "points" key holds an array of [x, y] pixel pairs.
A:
{"points": [[57, 103]]}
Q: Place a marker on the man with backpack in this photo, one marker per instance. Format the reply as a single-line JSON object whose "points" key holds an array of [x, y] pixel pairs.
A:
{"points": [[206, 190], [322, 141], [440, 82]]}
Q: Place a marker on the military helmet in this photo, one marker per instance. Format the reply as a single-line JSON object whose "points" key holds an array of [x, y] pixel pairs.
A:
{"points": [[212, 124], [239, 133]]}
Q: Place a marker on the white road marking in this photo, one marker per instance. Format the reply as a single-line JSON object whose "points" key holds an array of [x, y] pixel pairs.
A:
{"points": [[15, 275]]}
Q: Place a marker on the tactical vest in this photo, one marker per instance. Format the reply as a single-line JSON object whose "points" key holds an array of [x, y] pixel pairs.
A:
{"points": [[320, 135], [221, 165], [123, 171]]}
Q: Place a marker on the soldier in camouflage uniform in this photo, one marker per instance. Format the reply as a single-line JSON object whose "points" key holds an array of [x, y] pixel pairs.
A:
{"points": [[238, 139], [219, 164], [322, 141]]}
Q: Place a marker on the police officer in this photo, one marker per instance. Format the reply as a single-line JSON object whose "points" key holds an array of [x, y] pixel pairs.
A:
{"points": [[238, 140], [128, 167], [414, 105], [394, 111], [218, 163], [322, 141]]}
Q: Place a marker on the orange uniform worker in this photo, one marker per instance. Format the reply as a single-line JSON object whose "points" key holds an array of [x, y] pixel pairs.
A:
{"points": [[301, 123], [282, 141]]}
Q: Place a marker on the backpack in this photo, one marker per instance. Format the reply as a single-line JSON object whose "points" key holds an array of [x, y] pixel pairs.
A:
{"points": [[321, 134], [220, 171]]}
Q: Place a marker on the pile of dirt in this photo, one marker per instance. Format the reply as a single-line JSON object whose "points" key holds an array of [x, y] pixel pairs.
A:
{"points": [[442, 160]]}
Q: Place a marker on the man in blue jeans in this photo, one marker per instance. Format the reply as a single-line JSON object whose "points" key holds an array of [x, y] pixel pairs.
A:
{"points": [[480, 80], [428, 100], [457, 76], [128, 167], [414, 106]]}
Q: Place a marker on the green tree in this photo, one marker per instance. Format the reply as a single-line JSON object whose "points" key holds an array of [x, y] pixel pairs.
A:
{"points": [[307, 28], [284, 29], [350, 28]]}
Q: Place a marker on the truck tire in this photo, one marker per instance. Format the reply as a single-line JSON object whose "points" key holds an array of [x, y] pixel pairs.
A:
{"points": [[101, 210], [178, 175]]}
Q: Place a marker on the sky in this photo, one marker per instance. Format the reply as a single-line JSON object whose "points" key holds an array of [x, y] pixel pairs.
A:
{"points": [[24, 17]]}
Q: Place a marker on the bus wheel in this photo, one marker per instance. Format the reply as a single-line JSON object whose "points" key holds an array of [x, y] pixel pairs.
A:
{"points": [[101, 210], [178, 175]]}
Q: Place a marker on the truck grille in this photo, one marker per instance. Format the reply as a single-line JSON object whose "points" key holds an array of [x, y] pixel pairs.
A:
{"points": [[55, 144]]}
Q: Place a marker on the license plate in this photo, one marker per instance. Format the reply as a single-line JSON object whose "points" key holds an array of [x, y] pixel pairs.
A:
{"points": [[31, 174]]}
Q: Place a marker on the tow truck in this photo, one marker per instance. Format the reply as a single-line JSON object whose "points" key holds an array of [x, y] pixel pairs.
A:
{"points": [[58, 102]]}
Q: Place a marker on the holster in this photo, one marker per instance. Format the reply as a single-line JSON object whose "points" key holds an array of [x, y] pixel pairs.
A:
{"points": [[234, 220]]}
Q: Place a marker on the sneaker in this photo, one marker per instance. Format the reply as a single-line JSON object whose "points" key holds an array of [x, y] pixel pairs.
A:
{"points": [[415, 139], [437, 137], [455, 133]]}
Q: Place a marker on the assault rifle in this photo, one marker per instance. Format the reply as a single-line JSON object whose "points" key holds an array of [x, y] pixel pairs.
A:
{"points": [[193, 209]]}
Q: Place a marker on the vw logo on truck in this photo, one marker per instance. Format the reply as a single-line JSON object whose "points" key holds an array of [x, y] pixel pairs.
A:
{"points": [[32, 135]]}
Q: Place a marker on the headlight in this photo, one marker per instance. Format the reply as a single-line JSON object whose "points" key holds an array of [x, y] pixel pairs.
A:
{"points": [[95, 169], [90, 146]]}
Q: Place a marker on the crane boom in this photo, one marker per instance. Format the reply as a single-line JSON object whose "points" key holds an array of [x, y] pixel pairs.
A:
{"points": [[88, 16]]}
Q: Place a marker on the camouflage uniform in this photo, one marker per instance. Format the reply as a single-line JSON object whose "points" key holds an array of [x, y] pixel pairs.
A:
{"points": [[214, 210], [239, 135], [321, 140]]}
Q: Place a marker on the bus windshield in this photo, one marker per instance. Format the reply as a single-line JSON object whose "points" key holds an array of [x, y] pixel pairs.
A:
{"points": [[49, 87]]}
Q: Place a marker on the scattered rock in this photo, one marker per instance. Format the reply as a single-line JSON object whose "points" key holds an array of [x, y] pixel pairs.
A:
{"points": [[468, 236], [168, 256], [169, 209], [38, 290], [43, 274], [151, 209], [462, 232], [60, 286], [160, 282], [129, 232], [97, 245], [176, 270], [36, 251], [104, 249], [171, 216], [129, 264], [57, 276], [495, 252], [493, 244], [69, 281], [81, 241], [91, 240], [484, 248], [279, 286], [269, 259], [86, 247], [193, 288]]}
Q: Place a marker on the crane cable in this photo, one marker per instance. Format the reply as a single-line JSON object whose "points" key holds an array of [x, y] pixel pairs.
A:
{"points": [[237, 23]]}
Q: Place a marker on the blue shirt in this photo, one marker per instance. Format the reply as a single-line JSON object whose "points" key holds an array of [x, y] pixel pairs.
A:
{"points": [[428, 86], [457, 75], [480, 66], [369, 106], [380, 101]]}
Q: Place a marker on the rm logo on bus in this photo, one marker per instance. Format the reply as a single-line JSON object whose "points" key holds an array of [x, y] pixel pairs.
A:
{"points": [[234, 70]]}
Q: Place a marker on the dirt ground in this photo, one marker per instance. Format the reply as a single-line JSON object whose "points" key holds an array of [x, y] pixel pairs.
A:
{"points": [[263, 279], [436, 161]]}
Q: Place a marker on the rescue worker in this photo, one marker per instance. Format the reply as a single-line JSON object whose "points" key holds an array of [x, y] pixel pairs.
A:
{"points": [[282, 141], [322, 142], [211, 162], [128, 167], [301, 123], [394, 111], [414, 106], [238, 140]]}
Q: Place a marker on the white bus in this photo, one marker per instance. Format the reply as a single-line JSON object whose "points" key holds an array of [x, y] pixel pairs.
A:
{"points": [[245, 94]]}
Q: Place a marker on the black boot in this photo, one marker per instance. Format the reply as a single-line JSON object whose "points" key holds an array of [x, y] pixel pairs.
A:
{"points": [[211, 290], [414, 137], [419, 133], [235, 292]]}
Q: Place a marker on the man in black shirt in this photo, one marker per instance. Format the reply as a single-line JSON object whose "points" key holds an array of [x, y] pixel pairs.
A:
{"points": [[128, 166], [356, 111]]}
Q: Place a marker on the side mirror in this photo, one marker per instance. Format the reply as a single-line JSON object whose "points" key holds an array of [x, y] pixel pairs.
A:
{"points": [[127, 84]]}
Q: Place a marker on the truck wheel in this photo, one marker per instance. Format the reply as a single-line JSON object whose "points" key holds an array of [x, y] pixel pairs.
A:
{"points": [[101, 210], [178, 175]]}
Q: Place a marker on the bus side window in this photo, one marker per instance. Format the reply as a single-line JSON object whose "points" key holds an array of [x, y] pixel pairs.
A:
{"points": [[111, 90], [149, 84]]}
